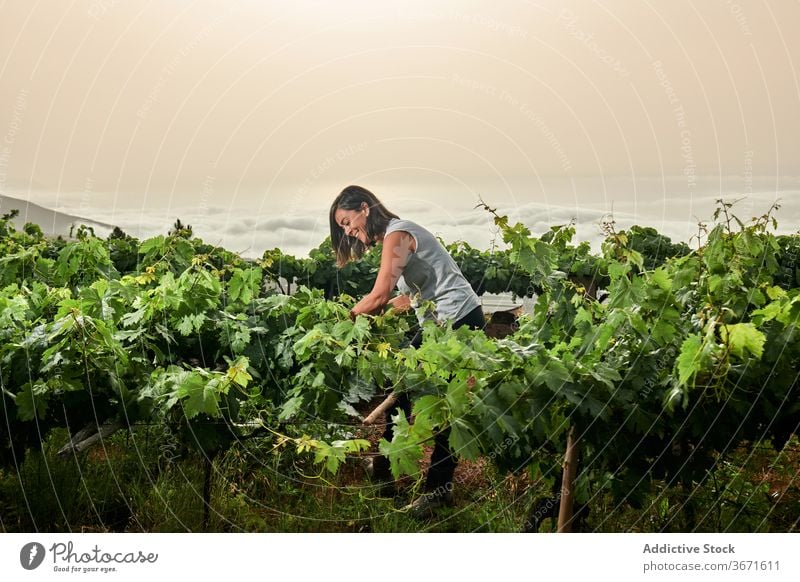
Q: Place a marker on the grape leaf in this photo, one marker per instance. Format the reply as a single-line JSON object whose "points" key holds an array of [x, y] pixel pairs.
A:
{"points": [[743, 337], [689, 361], [462, 439], [198, 396], [237, 373], [31, 401], [403, 452]]}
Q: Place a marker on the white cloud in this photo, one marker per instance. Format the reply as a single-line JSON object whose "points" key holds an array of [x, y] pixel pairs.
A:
{"points": [[296, 230]]}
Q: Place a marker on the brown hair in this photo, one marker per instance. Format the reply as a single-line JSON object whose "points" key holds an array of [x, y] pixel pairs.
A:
{"points": [[348, 248]]}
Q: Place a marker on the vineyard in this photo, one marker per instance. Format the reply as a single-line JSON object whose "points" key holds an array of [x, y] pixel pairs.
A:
{"points": [[166, 385]]}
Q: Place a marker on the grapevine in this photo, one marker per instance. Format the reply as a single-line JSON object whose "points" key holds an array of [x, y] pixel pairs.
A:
{"points": [[688, 354]]}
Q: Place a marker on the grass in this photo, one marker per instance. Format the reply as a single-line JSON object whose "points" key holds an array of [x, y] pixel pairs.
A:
{"points": [[129, 485]]}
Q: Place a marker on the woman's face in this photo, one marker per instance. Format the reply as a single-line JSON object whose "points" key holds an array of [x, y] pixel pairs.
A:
{"points": [[353, 222]]}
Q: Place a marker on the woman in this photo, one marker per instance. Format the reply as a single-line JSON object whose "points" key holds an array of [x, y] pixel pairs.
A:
{"points": [[417, 264]]}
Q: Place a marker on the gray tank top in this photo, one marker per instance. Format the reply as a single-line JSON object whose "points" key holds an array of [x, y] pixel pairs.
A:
{"points": [[433, 274]]}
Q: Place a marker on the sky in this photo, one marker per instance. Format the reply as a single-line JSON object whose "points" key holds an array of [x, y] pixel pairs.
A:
{"points": [[246, 118]]}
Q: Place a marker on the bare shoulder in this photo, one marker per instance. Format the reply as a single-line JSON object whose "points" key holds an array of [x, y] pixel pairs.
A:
{"points": [[400, 241]]}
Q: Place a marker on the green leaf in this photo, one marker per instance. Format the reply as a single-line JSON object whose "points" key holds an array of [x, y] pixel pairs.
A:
{"points": [[617, 270], [605, 374], [430, 410], [133, 317], [244, 285], [714, 281], [335, 454], [360, 331], [347, 409], [583, 316], [155, 243], [186, 325], [32, 401], [775, 292], [290, 408], [663, 332], [689, 360], [353, 445], [463, 440], [235, 286], [198, 396], [555, 375], [458, 397], [341, 329], [769, 312], [331, 456], [346, 356], [660, 277], [757, 298], [238, 374], [403, 452], [305, 347], [240, 339], [743, 337]]}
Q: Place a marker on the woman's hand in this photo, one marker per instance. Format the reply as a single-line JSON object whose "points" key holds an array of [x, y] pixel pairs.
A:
{"points": [[401, 303], [397, 248]]}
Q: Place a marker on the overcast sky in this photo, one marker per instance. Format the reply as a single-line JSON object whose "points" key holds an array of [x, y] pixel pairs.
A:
{"points": [[247, 117]]}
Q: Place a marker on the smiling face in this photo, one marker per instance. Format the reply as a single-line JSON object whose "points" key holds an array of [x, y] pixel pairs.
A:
{"points": [[353, 222], [357, 221]]}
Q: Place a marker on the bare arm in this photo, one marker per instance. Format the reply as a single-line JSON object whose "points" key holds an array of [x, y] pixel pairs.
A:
{"points": [[397, 248]]}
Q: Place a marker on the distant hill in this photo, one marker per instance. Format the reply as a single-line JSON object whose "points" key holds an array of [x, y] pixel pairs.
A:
{"points": [[52, 222]]}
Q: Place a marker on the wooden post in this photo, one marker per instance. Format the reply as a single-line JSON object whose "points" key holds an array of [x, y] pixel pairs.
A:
{"points": [[89, 436], [381, 409], [568, 484]]}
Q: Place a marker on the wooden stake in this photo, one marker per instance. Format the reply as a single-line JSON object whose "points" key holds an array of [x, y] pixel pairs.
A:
{"points": [[565, 510], [89, 436], [381, 409]]}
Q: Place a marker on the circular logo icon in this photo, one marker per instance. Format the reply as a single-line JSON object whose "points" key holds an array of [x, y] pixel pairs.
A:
{"points": [[31, 556]]}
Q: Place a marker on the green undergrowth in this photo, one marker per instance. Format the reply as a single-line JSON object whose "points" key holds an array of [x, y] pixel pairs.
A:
{"points": [[129, 484]]}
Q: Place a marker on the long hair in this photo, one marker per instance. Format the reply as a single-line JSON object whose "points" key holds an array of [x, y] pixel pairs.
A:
{"points": [[349, 248]]}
